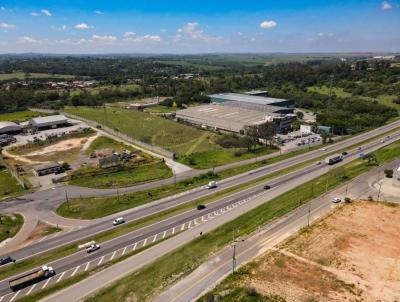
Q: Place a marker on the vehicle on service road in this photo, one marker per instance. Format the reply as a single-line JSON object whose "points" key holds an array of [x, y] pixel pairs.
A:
{"points": [[212, 184], [201, 207], [336, 200], [43, 273], [267, 187], [6, 260], [92, 248], [118, 221], [331, 160]]}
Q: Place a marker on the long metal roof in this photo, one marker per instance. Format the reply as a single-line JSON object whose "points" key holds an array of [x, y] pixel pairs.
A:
{"points": [[48, 119], [247, 98]]}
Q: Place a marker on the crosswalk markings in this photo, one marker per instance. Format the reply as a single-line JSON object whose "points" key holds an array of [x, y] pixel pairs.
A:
{"points": [[47, 282], [59, 279], [13, 297], [30, 290], [87, 266], [76, 269], [113, 255], [101, 260]]}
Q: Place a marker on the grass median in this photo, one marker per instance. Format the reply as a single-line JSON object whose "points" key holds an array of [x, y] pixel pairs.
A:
{"points": [[10, 225], [144, 284]]}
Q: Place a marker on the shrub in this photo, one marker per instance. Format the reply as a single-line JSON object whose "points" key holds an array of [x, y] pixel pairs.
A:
{"points": [[389, 173], [347, 200]]}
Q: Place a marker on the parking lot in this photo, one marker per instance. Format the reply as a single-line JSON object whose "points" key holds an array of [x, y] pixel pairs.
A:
{"points": [[296, 140]]}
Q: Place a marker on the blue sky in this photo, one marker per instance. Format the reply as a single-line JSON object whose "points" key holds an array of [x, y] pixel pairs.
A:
{"points": [[194, 26]]}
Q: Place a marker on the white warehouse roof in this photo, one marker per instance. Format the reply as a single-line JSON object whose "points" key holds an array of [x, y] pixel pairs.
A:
{"points": [[9, 127], [48, 120]]}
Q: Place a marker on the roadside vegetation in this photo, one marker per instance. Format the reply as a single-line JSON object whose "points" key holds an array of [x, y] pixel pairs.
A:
{"points": [[19, 116], [144, 284], [10, 225], [9, 187]]}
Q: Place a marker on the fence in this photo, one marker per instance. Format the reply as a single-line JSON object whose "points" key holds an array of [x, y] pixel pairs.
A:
{"points": [[118, 134]]}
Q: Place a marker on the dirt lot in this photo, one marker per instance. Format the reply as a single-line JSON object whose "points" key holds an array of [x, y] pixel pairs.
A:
{"points": [[352, 255]]}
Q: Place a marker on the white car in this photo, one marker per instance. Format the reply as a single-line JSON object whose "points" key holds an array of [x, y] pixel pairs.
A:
{"points": [[336, 200], [92, 248], [118, 221], [212, 184]]}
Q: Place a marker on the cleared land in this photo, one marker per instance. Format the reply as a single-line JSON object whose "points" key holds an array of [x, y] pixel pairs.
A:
{"points": [[194, 147], [19, 116], [352, 255], [10, 225], [9, 187]]}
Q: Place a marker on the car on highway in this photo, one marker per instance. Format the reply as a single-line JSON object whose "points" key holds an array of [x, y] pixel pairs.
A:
{"points": [[201, 207], [267, 187], [344, 153], [92, 248], [336, 200], [118, 221], [324, 149], [212, 184], [6, 260]]}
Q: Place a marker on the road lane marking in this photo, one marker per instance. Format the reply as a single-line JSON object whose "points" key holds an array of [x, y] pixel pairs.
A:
{"points": [[203, 219], [134, 247], [101, 260], [29, 291], [42, 239], [165, 233], [47, 282], [113, 255], [144, 242], [123, 252], [1, 299], [210, 216], [76, 269], [59, 279], [183, 226], [173, 231], [155, 238], [13, 297], [87, 266]]}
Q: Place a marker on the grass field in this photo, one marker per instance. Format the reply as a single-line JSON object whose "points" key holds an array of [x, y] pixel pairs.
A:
{"points": [[19, 116], [145, 283], [10, 225], [23, 76], [9, 187]]}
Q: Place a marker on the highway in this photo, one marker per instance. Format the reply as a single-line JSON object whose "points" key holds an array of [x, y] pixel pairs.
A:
{"points": [[75, 263], [51, 197]]}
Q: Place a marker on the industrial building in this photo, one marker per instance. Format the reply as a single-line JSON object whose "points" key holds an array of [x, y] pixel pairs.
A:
{"points": [[253, 101], [51, 121], [232, 119], [48, 168], [9, 128]]}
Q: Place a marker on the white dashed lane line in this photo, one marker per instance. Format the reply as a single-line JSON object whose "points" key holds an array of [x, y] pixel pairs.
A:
{"points": [[113, 255], [183, 227], [59, 279], [1, 299], [165, 233], [173, 231], [76, 269], [30, 290], [134, 247], [13, 297], [155, 238], [101, 260], [87, 266], [47, 282], [144, 242], [123, 252]]}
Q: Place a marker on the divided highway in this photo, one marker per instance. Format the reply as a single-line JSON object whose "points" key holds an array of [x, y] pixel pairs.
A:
{"points": [[117, 247]]}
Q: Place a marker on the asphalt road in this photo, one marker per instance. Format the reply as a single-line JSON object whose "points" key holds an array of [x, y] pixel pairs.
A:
{"points": [[183, 221]]}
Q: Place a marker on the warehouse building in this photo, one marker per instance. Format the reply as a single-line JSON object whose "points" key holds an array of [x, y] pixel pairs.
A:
{"points": [[9, 128], [253, 102], [232, 119], [51, 121]]}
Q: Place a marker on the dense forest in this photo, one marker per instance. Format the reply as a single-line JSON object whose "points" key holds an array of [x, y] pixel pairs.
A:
{"points": [[131, 78]]}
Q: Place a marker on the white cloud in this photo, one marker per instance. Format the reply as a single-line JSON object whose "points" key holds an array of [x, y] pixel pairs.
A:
{"points": [[46, 12], [268, 24], [191, 31], [326, 35], [35, 14], [82, 26], [2, 8], [239, 33], [104, 38], [386, 5], [61, 28], [27, 40], [6, 26], [148, 38], [129, 34], [98, 12]]}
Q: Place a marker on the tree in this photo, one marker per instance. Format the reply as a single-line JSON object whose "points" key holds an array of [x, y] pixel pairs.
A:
{"points": [[388, 173], [300, 115], [266, 132], [371, 159], [252, 135]]}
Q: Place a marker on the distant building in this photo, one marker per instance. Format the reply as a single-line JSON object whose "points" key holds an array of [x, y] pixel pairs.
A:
{"points": [[252, 102], [51, 121], [396, 177], [263, 93], [48, 168], [9, 128]]}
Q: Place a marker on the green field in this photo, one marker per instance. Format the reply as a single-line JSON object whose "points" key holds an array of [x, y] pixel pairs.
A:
{"points": [[144, 284], [9, 187], [10, 225], [19, 116], [339, 92], [23, 76]]}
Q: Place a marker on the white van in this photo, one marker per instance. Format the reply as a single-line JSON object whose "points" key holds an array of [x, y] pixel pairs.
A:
{"points": [[212, 184], [118, 220]]}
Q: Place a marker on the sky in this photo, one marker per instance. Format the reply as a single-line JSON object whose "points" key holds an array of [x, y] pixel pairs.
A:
{"points": [[199, 26]]}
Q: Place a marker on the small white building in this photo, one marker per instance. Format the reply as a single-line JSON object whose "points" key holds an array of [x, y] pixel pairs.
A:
{"points": [[9, 128], [396, 177], [51, 121]]}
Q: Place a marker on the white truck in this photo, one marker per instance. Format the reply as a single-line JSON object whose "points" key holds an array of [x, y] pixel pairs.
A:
{"points": [[34, 277], [331, 160]]}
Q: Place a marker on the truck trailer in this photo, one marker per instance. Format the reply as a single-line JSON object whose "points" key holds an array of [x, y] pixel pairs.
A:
{"points": [[43, 273], [331, 160]]}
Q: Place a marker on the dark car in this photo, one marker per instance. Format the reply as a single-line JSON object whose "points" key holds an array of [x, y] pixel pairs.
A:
{"points": [[6, 260], [344, 153], [201, 207], [267, 187]]}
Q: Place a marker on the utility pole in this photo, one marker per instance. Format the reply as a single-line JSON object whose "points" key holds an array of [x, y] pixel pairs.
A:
{"points": [[66, 197], [347, 188], [379, 192]]}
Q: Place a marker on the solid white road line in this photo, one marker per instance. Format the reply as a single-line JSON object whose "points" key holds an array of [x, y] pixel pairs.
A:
{"points": [[123, 252], [144, 242], [101, 260], [165, 233], [42, 239], [13, 297], [59, 279], [134, 247], [87, 266], [155, 238], [47, 282], [30, 290], [76, 269], [113, 255]]}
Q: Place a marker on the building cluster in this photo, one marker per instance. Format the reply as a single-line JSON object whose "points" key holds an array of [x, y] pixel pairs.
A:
{"points": [[233, 112]]}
